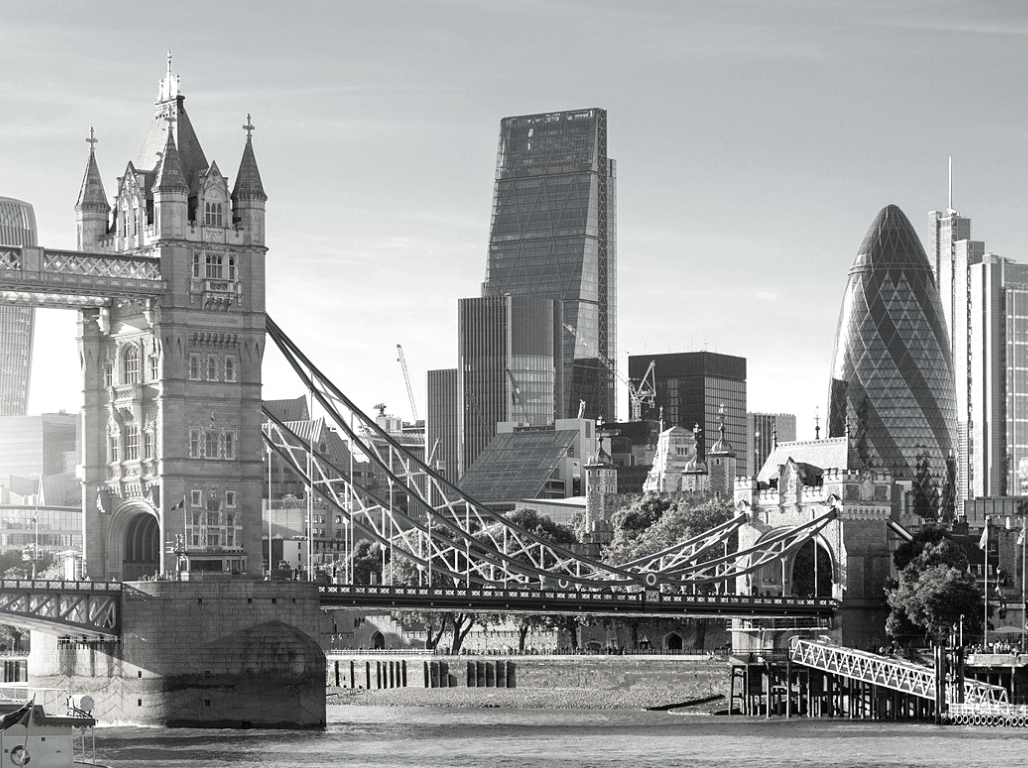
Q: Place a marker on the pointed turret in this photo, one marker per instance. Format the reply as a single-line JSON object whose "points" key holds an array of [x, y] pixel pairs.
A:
{"points": [[248, 196], [92, 209], [170, 192]]}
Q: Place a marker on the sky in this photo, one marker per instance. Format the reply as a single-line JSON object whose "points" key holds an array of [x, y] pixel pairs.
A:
{"points": [[755, 142]]}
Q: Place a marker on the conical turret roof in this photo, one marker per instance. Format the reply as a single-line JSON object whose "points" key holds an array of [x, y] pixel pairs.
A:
{"points": [[169, 176], [248, 181], [171, 105], [92, 194]]}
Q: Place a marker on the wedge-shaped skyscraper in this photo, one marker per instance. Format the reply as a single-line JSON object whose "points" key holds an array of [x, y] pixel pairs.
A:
{"points": [[892, 385]]}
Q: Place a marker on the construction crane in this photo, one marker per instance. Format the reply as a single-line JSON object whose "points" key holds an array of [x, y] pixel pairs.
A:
{"points": [[406, 379], [643, 393]]}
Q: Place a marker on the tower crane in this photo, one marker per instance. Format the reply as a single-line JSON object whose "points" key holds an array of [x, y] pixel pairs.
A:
{"points": [[645, 392], [406, 379]]}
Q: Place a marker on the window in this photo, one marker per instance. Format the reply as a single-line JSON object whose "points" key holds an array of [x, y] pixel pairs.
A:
{"points": [[196, 265], [112, 448], [130, 365], [132, 442], [230, 499], [210, 444], [194, 367], [194, 444], [230, 369], [108, 374], [154, 362], [214, 266], [148, 444], [212, 214], [230, 443], [231, 267], [212, 368], [195, 500]]}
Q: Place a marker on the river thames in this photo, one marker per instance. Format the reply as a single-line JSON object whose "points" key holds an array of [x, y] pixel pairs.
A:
{"points": [[424, 737]]}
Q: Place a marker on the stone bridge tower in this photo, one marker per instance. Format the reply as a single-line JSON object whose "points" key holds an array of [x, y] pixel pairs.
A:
{"points": [[172, 386]]}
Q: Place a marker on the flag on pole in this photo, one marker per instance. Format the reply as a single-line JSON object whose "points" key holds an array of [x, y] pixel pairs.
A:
{"points": [[983, 542], [19, 716], [181, 503]]}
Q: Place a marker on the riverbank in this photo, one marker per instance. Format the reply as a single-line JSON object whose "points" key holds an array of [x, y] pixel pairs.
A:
{"points": [[524, 698]]}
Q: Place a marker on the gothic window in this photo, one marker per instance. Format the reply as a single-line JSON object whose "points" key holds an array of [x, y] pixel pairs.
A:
{"points": [[130, 365], [148, 444], [231, 267], [154, 361], [212, 214], [108, 374], [196, 498], [230, 368], [194, 443], [194, 367], [210, 444], [112, 447], [230, 443], [196, 265], [215, 266], [132, 442]]}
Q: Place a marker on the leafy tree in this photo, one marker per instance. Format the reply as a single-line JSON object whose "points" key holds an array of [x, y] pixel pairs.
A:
{"points": [[366, 562], [934, 588]]}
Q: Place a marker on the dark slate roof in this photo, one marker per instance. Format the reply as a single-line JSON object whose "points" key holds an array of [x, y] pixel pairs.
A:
{"points": [[516, 465], [289, 410]]}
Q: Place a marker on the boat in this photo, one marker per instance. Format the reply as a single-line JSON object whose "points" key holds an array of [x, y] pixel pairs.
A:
{"points": [[32, 737]]}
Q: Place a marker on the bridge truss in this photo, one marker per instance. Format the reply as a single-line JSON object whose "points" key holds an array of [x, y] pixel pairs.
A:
{"points": [[454, 540], [78, 608]]}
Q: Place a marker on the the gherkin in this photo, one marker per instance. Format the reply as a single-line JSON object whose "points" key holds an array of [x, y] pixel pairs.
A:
{"points": [[892, 382]]}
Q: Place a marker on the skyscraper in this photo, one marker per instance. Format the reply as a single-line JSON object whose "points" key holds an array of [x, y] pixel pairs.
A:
{"points": [[17, 227], [553, 236], [892, 384], [505, 365], [953, 255], [694, 389]]}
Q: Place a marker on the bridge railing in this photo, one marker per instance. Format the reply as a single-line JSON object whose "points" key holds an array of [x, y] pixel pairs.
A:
{"points": [[108, 587]]}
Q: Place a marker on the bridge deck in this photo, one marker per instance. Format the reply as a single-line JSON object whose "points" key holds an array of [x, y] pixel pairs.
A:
{"points": [[559, 601], [81, 608]]}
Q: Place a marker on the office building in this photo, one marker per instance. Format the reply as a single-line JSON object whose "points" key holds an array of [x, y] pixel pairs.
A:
{"points": [[953, 253], [442, 416], [892, 388], [505, 364], [695, 389], [553, 236], [17, 227], [764, 431], [40, 446]]}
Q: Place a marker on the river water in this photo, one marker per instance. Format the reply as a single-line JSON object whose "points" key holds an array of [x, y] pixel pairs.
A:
{"points": [[423, 737]]}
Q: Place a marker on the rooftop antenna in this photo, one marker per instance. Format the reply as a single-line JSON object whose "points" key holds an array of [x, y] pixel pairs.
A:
{"points": [[950, 209]]}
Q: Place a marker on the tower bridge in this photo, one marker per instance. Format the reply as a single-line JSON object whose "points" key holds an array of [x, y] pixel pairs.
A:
{"points": [[169, 283]]}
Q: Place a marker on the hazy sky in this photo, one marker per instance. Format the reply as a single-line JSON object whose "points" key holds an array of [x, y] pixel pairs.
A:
{"points": [[755, 141]]}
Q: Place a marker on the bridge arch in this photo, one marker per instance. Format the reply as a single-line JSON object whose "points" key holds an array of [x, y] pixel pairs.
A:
{"points": [[811, 570], [134, 540]]}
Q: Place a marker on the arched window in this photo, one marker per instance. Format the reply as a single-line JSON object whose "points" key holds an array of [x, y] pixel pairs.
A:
{"points": [[230, 369], [130, 365], [212, 368], [212, 214], [194, 367], [210, 444], [132, 442]]}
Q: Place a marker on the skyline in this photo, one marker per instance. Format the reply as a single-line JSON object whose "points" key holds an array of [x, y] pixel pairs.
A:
{"points": [[754, 149]]}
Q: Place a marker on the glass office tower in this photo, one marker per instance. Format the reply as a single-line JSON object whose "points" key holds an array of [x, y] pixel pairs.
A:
{"points": [[17, 227], [553, 235], [505, 364], [892, 387]]}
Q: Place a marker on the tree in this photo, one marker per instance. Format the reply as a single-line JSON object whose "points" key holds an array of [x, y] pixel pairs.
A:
{"points": [[934, 590]]}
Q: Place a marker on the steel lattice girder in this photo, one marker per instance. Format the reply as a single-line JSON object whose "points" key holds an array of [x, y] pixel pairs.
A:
{"points": [[491, 549], [895, 674], [81, 607]]}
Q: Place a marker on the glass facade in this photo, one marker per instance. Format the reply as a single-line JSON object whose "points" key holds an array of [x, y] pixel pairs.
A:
{"points": [[39, 446], [764, 431], [553, 235], [441, 420], [892, 385], [17, 227], [505, 367], [692, 389]]}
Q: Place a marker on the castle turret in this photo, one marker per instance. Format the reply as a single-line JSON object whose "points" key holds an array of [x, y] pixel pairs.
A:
{"points": [[92, 209], [248, 196], [170, 193], [721, 465], [601, 486]]}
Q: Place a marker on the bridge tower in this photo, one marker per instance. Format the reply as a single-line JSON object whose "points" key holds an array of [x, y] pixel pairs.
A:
{"points": [[172, 386]]}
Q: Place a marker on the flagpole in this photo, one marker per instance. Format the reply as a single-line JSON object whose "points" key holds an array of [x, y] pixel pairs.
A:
{"points": [[985, 564]]}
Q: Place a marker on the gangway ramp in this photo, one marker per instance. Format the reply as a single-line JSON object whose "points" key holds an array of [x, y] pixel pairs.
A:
{"points": [[885, 671]]}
